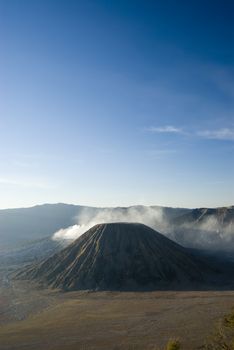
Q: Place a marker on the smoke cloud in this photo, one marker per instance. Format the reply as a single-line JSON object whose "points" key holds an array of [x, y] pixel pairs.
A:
{"points": [[208, 233], [151, 216]]}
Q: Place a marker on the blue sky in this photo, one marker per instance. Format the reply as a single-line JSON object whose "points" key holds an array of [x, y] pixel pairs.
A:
{"points": [[114, 103]]}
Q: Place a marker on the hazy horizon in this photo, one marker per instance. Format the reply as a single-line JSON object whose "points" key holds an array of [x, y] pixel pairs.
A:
{"points": [[117, 206]]}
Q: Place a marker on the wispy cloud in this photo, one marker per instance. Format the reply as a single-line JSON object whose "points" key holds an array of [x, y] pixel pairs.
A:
{"points": [[219, 134], [215, 134], [166, 129]]}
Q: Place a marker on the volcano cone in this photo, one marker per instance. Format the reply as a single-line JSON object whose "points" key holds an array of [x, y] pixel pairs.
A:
{"points": [[119, 256]]}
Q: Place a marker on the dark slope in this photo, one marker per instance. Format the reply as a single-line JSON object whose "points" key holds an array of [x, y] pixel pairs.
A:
{"points": [[120, 256]]}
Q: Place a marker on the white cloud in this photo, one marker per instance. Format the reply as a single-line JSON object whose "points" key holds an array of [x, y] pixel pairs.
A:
{"points": [[217, 134], [220, 134], [166, 129]]}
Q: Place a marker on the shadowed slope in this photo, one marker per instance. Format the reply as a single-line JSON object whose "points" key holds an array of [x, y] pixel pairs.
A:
{"points": [[119, 256]]}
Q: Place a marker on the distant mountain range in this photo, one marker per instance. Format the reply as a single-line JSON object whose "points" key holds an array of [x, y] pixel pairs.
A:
{"points": [[23, 224], [18, 226], [199, 228], [222, 216]]}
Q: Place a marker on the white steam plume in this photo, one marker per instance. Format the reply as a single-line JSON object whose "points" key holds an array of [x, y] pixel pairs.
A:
{"points": [[151, 216], [209, 233]]}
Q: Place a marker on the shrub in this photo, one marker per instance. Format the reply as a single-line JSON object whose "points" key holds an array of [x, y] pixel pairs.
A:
{"points": [[173, 345]]}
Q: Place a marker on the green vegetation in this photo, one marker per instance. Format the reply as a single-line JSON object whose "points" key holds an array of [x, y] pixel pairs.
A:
{"points": [[173, 345]]}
